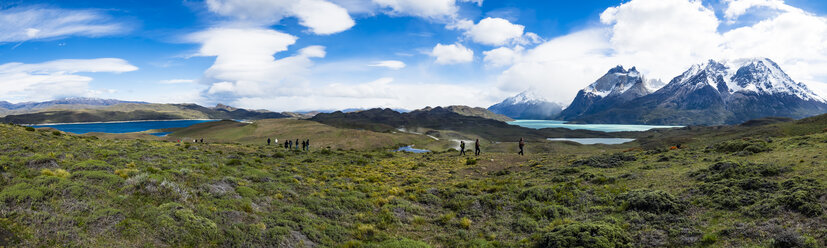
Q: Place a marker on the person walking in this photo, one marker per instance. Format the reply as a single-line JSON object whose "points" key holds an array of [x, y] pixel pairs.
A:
{"points": [[461, 147], [477, 150], [297, 144], [522, 145], [268, 141], [307, 143]]}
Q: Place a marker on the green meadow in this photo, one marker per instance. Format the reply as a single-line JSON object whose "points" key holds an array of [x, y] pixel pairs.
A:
{"points": [[724, 188]]}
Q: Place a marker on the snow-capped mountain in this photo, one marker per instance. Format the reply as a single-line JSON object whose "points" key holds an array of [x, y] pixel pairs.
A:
{"points": [[719, 92], [527, 105], [616, 87]]}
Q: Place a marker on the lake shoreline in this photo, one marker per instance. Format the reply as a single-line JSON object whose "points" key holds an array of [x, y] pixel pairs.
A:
{"points": [[105, 122]]}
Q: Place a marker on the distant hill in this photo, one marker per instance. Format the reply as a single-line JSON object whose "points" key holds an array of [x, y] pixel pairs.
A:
{"points": [[387, 120], [527, 105], [7, 108], [473, 111], [139, 111]]}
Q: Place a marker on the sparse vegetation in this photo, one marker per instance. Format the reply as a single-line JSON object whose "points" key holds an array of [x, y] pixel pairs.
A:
{"points": [[78, 191]]}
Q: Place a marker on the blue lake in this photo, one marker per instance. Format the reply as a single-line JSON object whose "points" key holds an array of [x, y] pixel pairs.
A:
{"points": [[411, 149], [592, 141], [122, 127], [537, 124]]}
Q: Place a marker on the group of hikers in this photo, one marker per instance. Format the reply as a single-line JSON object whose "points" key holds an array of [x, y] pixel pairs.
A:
{"points": [[477, 149], [289, 144]]}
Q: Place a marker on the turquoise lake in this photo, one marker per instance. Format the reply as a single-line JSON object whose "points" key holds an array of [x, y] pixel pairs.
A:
{"points": [[537, 124], [122, 127]]}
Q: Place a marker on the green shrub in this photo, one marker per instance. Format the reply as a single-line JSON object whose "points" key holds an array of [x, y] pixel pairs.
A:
{"points": [[246, 191], [179, 225], [606, 160], [20, 193], [564, 193], [654, 201], [403, 243], [586, 235], [750, 146], [92, 165], [470, 161], [801, 195], [30, 129]]}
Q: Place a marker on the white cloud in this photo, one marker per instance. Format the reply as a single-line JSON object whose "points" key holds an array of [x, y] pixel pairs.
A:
{"points": [[382, 92], [736, 8], [663, 38], [177, 81], [57, 78], [503, 56], [22, 24], [245, 65], [322, 17], [495, 31], [434, 9], [452, 54], [390, 64]]}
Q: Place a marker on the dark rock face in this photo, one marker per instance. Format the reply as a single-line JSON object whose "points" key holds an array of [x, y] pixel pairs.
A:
{"points": [[616, 87], [714, 93]]}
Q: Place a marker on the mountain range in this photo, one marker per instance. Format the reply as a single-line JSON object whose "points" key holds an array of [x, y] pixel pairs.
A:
{"points": [[709, 93], [527, 105]]}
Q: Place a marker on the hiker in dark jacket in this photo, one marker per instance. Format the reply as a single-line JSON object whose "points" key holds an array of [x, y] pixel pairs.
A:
{"points": [[307, 142], [297, 144], [461, 147], [477, 150], [522, 145], [268, 141]]}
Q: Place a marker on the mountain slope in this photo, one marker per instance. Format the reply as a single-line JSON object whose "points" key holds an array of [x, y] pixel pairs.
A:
{"points": [[527, 105], [718, 92], [478, 112], [616, 87]]}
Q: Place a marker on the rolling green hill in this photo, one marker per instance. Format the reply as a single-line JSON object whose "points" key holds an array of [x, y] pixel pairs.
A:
{"points": [[320, 135]]}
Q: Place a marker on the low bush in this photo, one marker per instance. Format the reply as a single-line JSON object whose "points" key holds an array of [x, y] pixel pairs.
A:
{"points": [[587, 235], [606, 160], [654, 201], [92, 165], [749, 146]]}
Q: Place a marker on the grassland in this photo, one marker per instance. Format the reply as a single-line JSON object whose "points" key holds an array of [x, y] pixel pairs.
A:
{"points": [[76, 191]]}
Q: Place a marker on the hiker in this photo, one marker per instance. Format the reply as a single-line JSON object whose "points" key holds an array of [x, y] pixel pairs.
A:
{"points": [[522, 144], [290, 144], [477, 150], [303, 145], [461, 147], [202, 140], [268, 141], [308, 144]]}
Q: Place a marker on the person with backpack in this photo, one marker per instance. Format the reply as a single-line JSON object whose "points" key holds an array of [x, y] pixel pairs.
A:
{"points": [[477, 150], [307, 142], [268, 141], [522, 145], [461, 147]]}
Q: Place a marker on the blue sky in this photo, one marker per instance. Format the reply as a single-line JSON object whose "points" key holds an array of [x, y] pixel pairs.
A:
{"points": [[287, 55]]}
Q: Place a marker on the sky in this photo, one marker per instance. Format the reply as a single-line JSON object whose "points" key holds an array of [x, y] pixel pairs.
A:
{"points": [[301, 55]]}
